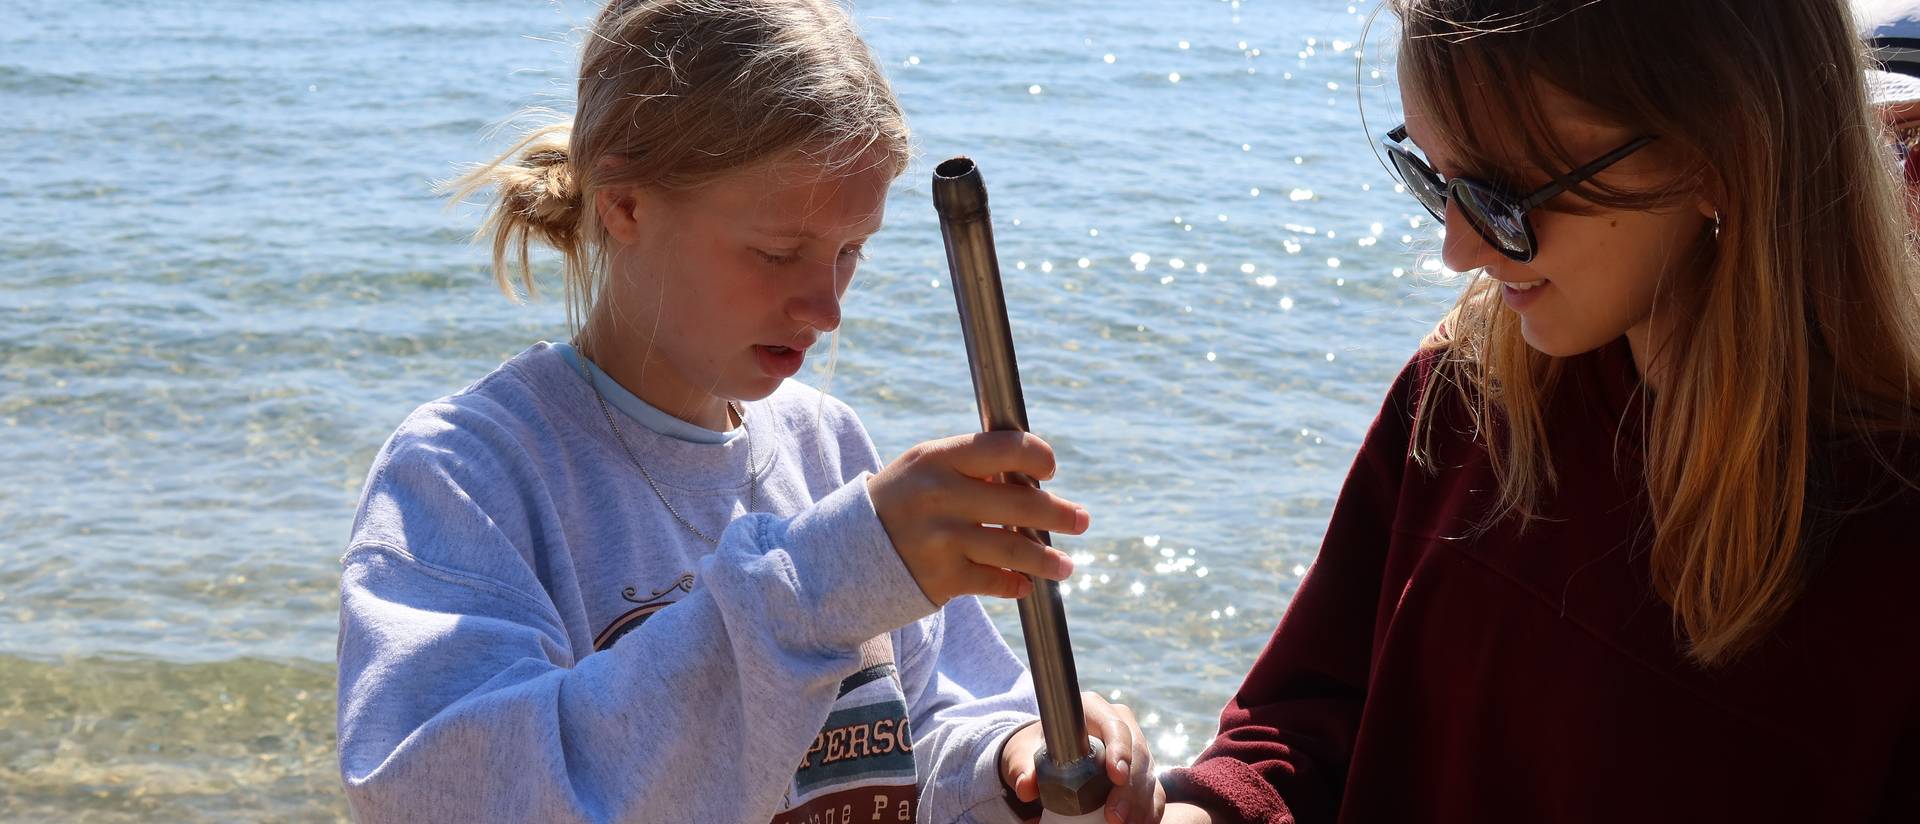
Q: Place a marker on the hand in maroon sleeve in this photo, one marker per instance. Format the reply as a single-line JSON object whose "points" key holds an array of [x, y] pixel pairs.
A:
{"points": [[1287, 736]]}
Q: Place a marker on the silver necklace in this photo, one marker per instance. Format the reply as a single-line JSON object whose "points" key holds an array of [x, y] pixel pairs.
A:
{"points": [[753, 474]]}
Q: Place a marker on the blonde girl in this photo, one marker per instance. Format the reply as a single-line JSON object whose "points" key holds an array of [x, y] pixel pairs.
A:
{"points": [[644, 576]]}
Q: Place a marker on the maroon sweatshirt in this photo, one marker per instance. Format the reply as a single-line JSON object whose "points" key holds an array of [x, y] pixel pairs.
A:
{"points": [[1425, 674]]}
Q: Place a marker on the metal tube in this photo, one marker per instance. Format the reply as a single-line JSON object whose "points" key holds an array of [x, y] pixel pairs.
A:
{"points": [[1073, 776]]}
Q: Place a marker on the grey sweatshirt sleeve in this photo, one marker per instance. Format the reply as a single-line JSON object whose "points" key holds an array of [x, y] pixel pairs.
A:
{"points": [[461, 699], [967, 693]]}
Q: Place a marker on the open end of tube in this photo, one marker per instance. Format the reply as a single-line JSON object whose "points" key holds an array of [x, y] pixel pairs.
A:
{"points": [[954, 167]]}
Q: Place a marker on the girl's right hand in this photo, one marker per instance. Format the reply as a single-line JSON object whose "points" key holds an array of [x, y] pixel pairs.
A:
{"points": [[936, 497]]}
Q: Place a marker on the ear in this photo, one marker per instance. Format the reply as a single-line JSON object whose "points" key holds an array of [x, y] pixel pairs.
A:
{"points": [[1707, 209], [1712, 193], [619, 209]]}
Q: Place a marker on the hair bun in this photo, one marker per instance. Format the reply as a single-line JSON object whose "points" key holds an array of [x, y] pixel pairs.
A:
{"points": [[540, 189]]}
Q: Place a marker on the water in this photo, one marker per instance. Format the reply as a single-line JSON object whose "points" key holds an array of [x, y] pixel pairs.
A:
{"points": [[225, 280]]}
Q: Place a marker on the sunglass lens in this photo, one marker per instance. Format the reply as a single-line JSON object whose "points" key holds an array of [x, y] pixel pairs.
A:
{"points": [[1498, 220], [1421, 182]]}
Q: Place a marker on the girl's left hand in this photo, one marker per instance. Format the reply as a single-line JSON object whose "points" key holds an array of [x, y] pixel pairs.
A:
{"points": [[1136, 797]]}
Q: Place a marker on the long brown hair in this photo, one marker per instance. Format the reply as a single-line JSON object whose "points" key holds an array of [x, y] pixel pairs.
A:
{"points": [[674, 94], [1803, 323]]}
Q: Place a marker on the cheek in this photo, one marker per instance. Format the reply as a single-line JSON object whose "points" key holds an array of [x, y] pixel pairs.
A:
{"points": [[1665, 253], [844, 279], [1614, 265]]}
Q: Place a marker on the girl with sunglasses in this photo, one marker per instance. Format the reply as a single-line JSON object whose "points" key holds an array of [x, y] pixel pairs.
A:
{"points": [[1633, 537]]}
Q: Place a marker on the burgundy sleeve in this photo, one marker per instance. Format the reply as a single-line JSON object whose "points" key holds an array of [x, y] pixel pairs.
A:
{"points": [[1286, 737], [1902, 800]]}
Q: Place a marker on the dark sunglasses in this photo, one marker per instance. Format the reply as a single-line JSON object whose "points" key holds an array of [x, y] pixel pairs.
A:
{"points": [[1498, 216]]}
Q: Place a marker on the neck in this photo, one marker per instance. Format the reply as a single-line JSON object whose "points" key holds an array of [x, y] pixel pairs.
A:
{"points": [[1645, 341], [650, 378], [1680, 291]]}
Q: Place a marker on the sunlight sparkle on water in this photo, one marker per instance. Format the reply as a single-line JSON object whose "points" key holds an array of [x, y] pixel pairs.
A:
{"points": [[1170, 746]]}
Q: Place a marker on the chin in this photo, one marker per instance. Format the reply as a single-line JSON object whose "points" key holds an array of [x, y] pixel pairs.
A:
{"points": [[758, 390], [1564, 344]]}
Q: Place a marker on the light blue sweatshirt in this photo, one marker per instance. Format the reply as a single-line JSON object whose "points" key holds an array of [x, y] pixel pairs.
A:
{"points": [[527, 634]]}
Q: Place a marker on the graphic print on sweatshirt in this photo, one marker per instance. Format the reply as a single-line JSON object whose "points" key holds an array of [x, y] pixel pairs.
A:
{"points": [[859, 768], [647, 606]]}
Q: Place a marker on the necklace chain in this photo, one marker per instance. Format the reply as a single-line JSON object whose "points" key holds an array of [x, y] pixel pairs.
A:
{"points": [[753, 473]]}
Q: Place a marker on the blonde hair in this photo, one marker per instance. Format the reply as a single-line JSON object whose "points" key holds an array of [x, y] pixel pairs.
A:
{"points": [[1803, 328], [674, 94]]}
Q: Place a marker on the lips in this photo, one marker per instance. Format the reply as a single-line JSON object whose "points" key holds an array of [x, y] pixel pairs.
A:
{"points": [[1521, 294], [797, 343], [780, 362]]}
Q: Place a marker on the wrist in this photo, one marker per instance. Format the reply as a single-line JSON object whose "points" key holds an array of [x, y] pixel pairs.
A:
{"points": [[1006, 767], [1024, 809], [1186, 814]]}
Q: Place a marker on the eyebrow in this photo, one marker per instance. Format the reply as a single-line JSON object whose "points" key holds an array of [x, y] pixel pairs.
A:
{"points": [[1401, 133], [803, 234]]}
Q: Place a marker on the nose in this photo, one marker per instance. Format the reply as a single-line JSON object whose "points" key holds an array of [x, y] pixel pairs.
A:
{"points": [[817, 303], [1464, 250]]}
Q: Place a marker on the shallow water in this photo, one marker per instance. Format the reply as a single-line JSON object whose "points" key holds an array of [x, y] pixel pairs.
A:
{"points": [[226, 280]]}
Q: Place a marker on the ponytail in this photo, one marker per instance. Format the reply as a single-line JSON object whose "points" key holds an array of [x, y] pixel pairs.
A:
{"points": [[537, 197]]}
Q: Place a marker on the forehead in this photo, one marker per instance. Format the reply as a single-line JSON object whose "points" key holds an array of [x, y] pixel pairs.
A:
{"points": [[800, 193], [1493, 125]]}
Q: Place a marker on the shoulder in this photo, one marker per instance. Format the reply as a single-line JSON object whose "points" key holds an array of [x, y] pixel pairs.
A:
{"points": [[1866, 487], [472, 461], [1433, 368], [503, 417], [799, 407], [824, 430]]}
